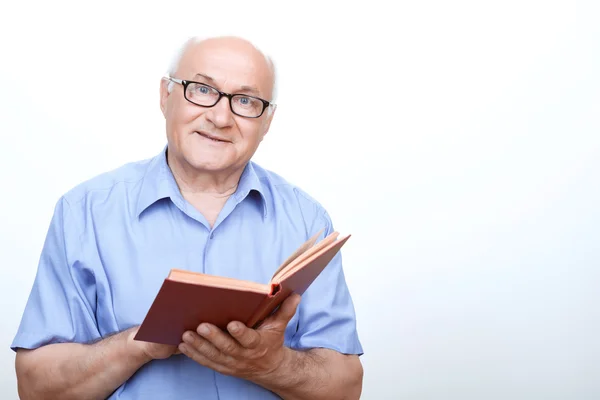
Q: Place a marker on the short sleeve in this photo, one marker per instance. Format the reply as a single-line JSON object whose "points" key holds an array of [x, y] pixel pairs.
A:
{"points": [[57, 309], [326, 315]]}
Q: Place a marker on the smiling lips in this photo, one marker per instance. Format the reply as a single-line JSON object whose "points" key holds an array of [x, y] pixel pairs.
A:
{"points": [[212, 137]]}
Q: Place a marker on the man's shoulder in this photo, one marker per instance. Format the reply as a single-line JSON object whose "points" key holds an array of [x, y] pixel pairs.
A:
{"points": [[284, 191], [125, 176]]}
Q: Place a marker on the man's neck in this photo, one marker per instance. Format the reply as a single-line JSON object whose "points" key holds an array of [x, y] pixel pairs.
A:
{"points": [[194, 182], [206, 191]]}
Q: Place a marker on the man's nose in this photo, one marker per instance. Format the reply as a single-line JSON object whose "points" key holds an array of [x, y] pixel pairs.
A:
{"points": [[220, 114]]}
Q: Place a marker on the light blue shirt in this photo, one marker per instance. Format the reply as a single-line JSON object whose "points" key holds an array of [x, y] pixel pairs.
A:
{"points": [[113, 240]]}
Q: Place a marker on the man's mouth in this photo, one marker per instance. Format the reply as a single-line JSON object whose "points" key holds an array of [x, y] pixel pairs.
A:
{"points": [[211, 137]]}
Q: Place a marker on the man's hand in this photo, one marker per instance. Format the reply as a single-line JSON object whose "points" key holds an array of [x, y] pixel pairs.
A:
{"points": [[150, 351], [84, 371], [245, 353]]}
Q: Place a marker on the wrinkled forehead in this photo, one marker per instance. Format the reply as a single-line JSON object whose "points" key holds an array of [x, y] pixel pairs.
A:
{"points": [[231, 67]]}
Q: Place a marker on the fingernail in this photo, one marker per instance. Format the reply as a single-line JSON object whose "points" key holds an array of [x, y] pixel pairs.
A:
{"points": [[234, 328], [203, 330]]}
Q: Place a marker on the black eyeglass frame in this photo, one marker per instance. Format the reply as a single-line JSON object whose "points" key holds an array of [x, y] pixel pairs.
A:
{"points": [[185, 83]]}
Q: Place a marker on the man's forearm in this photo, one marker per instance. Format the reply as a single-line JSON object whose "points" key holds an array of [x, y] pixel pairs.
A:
{"points": [[315, 374], [77, 371]]}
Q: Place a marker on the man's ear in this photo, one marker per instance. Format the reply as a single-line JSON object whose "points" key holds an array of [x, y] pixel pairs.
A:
{"points": [[269, 119], [164, 94]]}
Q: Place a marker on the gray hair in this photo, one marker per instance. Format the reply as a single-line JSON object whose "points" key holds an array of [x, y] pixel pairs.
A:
{"points": [[179, 54]]}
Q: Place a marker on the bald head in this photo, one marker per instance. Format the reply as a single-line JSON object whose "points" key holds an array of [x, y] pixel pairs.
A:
{"points": [[218, 139], [231, 52]]}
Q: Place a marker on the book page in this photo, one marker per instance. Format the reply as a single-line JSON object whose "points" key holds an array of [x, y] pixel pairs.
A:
{"points": [[300, 259], [222, 282], [303, 248]]}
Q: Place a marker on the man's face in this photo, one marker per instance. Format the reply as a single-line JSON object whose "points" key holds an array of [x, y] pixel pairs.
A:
{"points": [[230, 66]]}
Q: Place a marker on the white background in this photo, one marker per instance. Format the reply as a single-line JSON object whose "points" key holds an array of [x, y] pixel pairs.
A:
{"points": [[459, 142]]}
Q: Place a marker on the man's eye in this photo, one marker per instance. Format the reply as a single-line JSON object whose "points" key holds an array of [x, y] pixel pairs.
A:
{"points": [[245, 101]]}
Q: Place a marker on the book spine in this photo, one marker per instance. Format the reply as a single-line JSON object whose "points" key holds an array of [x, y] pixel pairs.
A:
{"points": [[267, 307]]}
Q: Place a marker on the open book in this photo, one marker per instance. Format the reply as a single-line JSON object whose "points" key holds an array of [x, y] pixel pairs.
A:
{"points": [[187, 298]]}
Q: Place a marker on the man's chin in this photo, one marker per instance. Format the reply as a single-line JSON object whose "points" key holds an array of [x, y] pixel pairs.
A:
{"points": [[204, 159], [203, 166], [210, 164]]}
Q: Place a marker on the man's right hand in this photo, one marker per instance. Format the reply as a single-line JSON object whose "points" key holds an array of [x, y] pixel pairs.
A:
{"points": [[91, 371], [151, 351]]}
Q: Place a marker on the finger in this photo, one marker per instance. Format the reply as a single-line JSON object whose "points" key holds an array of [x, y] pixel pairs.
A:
{"points": [[202, 346], [284, 314], [246, 337], [288, 308], [201, 359], [219, 339]]}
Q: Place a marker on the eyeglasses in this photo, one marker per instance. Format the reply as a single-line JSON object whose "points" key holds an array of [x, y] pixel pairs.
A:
{"points": [[204, 95]]}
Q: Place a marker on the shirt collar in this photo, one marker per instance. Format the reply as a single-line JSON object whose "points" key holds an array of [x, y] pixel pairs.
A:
{"points": [[159, 183], [249, 184]]}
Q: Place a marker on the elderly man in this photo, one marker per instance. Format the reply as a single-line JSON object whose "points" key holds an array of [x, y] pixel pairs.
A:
{"points": [[200, 204]]}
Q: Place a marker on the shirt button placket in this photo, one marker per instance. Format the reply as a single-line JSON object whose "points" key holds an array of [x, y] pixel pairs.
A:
{"points": [[211, 235]]}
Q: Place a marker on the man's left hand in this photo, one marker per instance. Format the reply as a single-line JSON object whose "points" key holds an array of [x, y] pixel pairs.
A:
{"points": [[244, 352]]}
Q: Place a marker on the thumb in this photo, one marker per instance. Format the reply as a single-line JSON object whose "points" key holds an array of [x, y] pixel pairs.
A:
{"points": [[288, 308]]}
